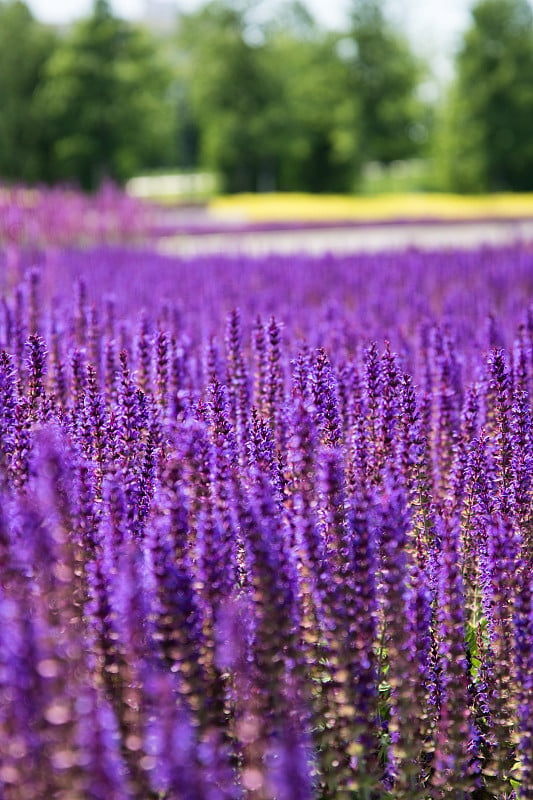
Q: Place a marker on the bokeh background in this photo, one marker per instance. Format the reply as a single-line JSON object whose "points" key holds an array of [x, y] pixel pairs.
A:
{"points": [[349, 96]]}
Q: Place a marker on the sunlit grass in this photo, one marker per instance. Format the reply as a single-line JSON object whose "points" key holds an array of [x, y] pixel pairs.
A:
{"points": [[292, 206]]}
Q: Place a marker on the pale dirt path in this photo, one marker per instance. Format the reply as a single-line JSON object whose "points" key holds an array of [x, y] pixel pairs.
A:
{"points": [[359, 239]]}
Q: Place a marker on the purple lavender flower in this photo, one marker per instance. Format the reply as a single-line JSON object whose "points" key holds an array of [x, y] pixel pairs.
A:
{"points": [[523, 640], [36, 366], [237, 377], [498, 423], [144, 356], [291, 568], [404, 642], [261, 364], [500, 562], [275, 383], [326, 401], [454, 765]]}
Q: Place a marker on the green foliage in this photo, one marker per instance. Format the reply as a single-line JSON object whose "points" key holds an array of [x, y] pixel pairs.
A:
{"points": [[225, 92], [105, 95], [486, 142], [276, 103], [393, 121], [272, 103], [25, 46], [315, 110], [285, 104], [265, 102], [398, 177]]}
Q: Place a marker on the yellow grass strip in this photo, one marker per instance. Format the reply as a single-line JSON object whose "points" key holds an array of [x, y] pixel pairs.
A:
{"points": [[303, 207]]}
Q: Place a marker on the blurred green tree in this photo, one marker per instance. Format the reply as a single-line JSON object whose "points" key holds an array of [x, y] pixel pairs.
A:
{"points": [[106, 95], [387, 76], [271, 98], [486, 141], [225, 93], [25, 47], [315, 110]]}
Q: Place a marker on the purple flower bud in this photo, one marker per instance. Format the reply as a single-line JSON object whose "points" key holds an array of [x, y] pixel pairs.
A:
{"points": [[36, 365]]}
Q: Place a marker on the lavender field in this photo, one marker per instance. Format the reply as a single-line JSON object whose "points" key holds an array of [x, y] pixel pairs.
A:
{"points": [[266, 525]]}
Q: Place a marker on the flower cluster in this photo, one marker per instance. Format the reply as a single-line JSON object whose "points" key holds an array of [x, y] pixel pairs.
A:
{"points": [[266, 528], [32, 217]]}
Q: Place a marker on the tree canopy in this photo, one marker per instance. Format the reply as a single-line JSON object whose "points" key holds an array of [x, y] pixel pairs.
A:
{"points": [[273, 102], [486, 142], [227, 93], [264, 96], [386, 80], [25, 46], [104, 90], [317, 110]]}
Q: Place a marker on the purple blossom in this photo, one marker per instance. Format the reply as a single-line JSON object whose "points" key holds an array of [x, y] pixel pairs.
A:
{"points": [[279, 553]]}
